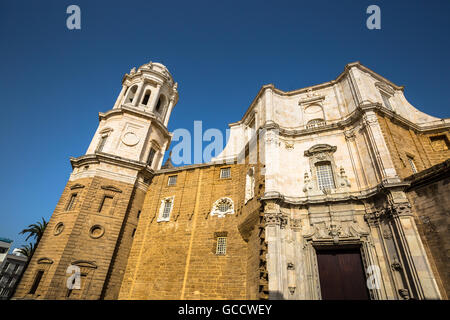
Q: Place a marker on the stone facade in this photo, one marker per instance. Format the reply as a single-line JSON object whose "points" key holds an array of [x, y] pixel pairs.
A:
{"points": [[324, 167]]}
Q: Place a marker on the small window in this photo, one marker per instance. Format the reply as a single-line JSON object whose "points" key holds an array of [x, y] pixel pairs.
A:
{"points": [[412, 164], [315, 123], [71, 203], [132, 94], [225, 173], [172, 180], [106, 204], [16, 267], [101, 143], [439, 143], [221, 247], [5, 267], [36, 281], [160, 104], [151, 156], [167, 209], [146, 97], [133, 233], [325, 176], [139, 214], [386, 102]]}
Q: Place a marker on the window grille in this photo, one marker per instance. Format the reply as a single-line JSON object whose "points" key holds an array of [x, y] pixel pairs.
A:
{"points": [[316, 123], [412, 164], [325, 176], [73, 197], [167, 209], [172, 180], [221, 248], [225, 173]]}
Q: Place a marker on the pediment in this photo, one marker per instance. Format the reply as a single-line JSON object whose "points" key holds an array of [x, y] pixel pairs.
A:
{"points": [[45, 260], [111, 188], [85, 264], [320, 148], [76, 186]]}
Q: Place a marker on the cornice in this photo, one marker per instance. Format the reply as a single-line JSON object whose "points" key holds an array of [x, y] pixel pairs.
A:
{"points": [[99, 157], [280, 92], [365, 194], [355, 116], [133, 111]]}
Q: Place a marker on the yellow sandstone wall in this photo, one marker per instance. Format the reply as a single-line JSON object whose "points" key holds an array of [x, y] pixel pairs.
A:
{"points": [[176, 259]]}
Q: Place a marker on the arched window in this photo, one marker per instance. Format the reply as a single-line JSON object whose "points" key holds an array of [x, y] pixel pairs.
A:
{"points": [[160, 104], [146, 97], [131, 94], [222, 207], [315, 123], [325, 178]]}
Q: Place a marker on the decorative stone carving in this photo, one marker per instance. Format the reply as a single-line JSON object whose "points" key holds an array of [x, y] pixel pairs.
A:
{"points": [[222, 207], [387, 234], [343, 180], [130, 139], [320, 149], [59, 228], [250, 184], [349, 134], [396, 266], [386, 88], [96, 231], [404, 293], [289, 145]]}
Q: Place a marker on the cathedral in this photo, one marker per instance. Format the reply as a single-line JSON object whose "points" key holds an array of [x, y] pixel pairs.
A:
{"points": [[335, 191]]}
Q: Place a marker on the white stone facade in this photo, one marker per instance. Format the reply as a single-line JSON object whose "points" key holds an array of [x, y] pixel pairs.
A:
{"points": [[334, 123]]}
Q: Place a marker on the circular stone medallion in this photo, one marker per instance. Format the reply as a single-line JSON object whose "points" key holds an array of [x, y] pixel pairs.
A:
{"points": [[130, 139]]}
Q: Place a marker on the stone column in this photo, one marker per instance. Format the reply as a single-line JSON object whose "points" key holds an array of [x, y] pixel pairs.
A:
{"points": [[268, 93], [168, 112], [274, 253], [155, 97], [416, 264], [120, 97], [137, 96], [379, 148]]}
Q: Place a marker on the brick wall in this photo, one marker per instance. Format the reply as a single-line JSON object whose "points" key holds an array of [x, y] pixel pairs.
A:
{"points": [[56, 252], [404, 142], [176, 259], [429, 197]]}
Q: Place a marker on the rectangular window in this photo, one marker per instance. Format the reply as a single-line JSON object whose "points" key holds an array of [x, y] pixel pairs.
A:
{"points": [[151, 155], [167, 209], [133, 233], [439, 143], [16, 267], [412, 164], [172, 180], [325, 176], [386, 102], [221, 247], [5, 267], [139, 214], [36, 281], [106, 204], [101, 143], [73, 197], [225, 173]]}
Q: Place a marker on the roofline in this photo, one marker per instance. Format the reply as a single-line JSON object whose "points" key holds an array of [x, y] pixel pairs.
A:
{"points": [[347, 67]]}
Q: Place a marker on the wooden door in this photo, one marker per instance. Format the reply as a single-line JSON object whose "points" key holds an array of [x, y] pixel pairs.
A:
{"points": [[342, 274]]}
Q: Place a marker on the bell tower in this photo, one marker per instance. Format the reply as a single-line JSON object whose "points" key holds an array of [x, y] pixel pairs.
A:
{"points": [[90, 233]]}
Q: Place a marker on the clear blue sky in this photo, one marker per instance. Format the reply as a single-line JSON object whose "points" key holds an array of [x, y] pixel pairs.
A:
{"points": [[55, 81]]}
